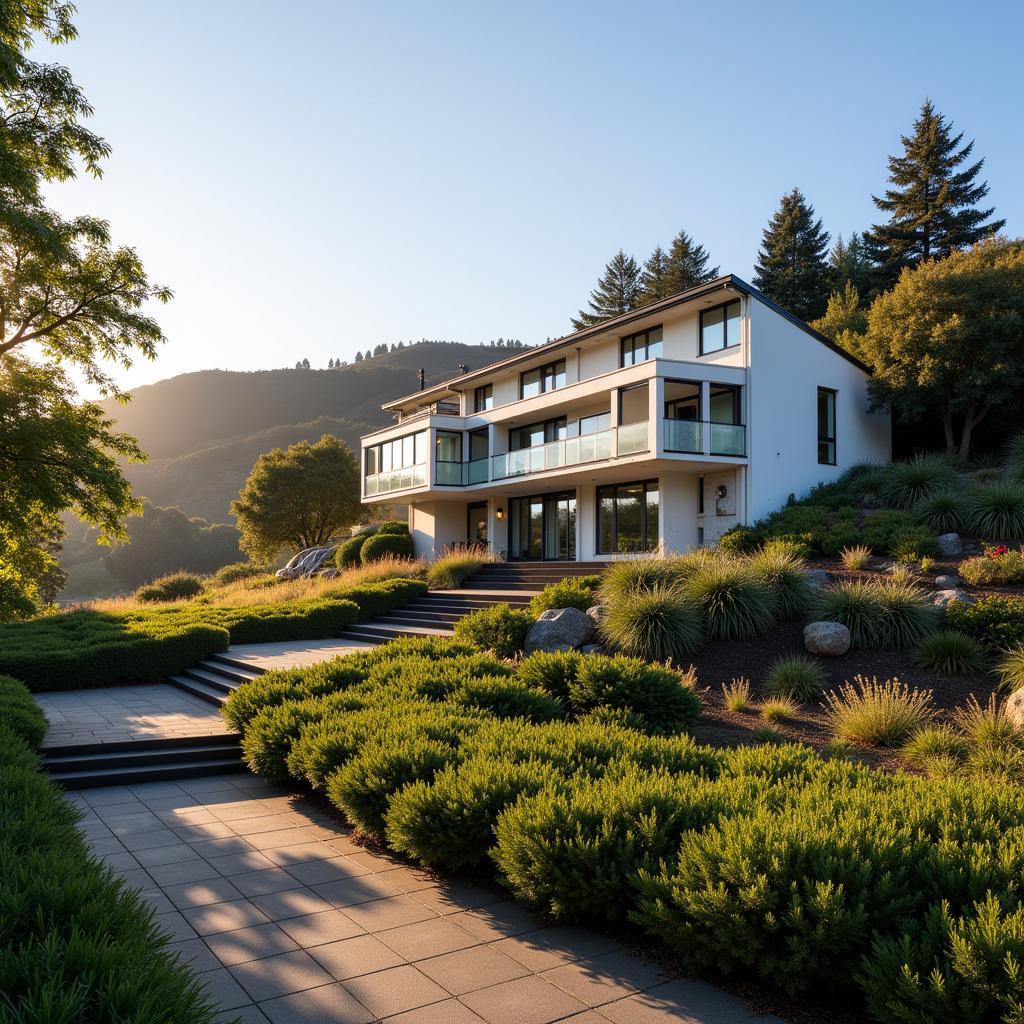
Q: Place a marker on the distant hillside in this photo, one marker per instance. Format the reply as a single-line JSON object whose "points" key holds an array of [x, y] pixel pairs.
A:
{"points": [[204, 431]]}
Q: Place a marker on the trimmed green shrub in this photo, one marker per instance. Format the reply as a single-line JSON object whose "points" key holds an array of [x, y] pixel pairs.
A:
{"points": [[736, 603], [20, 713], [551, 671], [393, 526], [655, 624], [906, 484], [237, 571], [877, 714], [996, 512], [996, 622], [886, 529], [176, 586], [500, 629], [910, 545], [270, 733], [796, 676], [664, 700], [740, 540], [572, 592], [349, 552], [785, 572], [508, 698], [943, 511], [386, 545], [950, 653], [889, 613]]}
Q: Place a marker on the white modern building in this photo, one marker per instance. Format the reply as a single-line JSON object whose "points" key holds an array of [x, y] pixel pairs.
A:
{"points": [[658, 429]]}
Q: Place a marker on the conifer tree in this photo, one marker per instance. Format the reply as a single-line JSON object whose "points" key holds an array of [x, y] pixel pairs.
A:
{"points": [[845, 320], [359, 357], [654, 277], [932, 202], [617, 291], [687, 264], [850, 263], [305, 364], [330, 363], [791, 267]]}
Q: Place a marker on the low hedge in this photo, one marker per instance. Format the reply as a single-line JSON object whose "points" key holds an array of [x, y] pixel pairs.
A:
{"points": [[20, 713], [386, 545], [77, 946]]}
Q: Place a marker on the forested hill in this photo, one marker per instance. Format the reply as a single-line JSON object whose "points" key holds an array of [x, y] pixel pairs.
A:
{"points": [[203, 431]]}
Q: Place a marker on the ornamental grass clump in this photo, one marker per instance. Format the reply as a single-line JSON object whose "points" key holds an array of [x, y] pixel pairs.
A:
{"points": [[456, 565], [572, 592], [906, 484], [1011, 669], [996, 512], [779, 709], [736, 603], [987, 725], [936, 748], [855, 557], [943, 511], [796, 676], [628, 577], [877, 714], [655, 624], [949, 652], [736, 695], [784, 571], [891, 613]]}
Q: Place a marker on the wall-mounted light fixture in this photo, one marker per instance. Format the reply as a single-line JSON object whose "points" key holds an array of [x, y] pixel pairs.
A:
{"points": [[500, 514], [722, 491]]}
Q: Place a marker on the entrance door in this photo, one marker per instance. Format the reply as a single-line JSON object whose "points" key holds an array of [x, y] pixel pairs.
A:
{"points": [[543, 528], [476, 522]]}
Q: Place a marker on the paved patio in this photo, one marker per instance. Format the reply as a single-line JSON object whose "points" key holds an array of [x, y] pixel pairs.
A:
{"points": [[117, 714], [286, 920]]}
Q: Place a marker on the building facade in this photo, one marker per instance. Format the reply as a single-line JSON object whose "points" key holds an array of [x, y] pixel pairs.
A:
{"points": [[656, 430]]}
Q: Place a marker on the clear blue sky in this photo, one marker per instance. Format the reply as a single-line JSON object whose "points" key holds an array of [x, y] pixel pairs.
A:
{"points": [[316, 178]]}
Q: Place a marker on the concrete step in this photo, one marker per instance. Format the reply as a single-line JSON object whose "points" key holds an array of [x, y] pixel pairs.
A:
{"points": [[214, 695], [374, 633], [236, 663], [89, 778], [211, 751], [404, 617]]}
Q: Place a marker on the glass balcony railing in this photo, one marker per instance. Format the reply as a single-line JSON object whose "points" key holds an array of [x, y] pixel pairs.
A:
{"points": [[459, 474], [571, 451], [396, 480], [476, 471], [688, 436], [633, 437]]}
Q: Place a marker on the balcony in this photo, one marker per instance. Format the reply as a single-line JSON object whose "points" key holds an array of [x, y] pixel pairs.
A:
{"points": [[460, 474], [395, 480], [571, 451], [688, 436]]}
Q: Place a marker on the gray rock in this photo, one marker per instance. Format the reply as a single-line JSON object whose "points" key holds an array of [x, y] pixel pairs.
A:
{"points": [[950, 545], [948, 582], [829, 639], [1014, 708], [818, 578], [559, 629], [944, 598], [591, 649], [596, 613]]}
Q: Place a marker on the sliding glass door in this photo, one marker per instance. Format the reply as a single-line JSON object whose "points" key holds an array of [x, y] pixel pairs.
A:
{"points": [[543, 528]]}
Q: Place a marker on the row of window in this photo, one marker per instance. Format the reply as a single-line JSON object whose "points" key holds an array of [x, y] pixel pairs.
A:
{"points": [[401, 453]]}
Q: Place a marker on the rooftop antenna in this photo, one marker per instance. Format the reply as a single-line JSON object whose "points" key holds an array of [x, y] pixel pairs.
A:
{"points": [[463, 368], [421, 373]]}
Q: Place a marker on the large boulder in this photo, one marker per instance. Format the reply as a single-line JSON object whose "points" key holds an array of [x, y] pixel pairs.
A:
{"points": [[828, 639], [948, 582], [1014, 708], [818, 578], [950, 545], [944, 598], [559, 629]]}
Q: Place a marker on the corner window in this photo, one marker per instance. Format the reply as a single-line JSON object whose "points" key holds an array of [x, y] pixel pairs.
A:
{"points": [[448, 446], [720, 327], [542, 379], [826, 427], [637, 347], [483, 398], [627, 517]]}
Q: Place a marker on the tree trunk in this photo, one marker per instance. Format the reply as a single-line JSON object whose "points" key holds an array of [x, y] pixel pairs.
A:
{"points": [[971, 420], [947, 427]]}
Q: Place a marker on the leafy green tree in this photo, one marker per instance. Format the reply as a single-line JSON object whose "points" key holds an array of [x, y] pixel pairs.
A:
{"points": [[845, 320], [654, 277], [932, 201], [946, 340], [298, 497], [617, 292], [791, 266], [849, 263], [687, 264]]}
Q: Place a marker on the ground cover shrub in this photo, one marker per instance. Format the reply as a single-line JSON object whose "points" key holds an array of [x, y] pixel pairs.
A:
{"points": [[779, 709], [892, 531], [950, 653], [906, 484], [284, 620], [856, 557], [913, 544], [508, 698], [736, 695], [572, 592], [500, 629], [176, 586], [655, 624], [996, 622], [236, 572], [877, 714], [19, 713], [943, 511], [936, 747], [997, 566], [386, 545], [782, 569], [878, 613], [78, 946], [551, 671], [456, 565], [739, 540], [996, 512], [796, 676], [736, 603]]}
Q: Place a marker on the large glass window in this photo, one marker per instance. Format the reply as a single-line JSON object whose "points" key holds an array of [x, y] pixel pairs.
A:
{"points": [[449, 446], [542, 379], [826, 427], [628, 517], [595, 424], [391, 465], [483, 398], [637, 347], [537, 434], [725, 404], [720, 327]]}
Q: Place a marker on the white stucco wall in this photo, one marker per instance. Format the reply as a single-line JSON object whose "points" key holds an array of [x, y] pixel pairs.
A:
{"points": [[787, 366], [435, 525], [678, 512]]}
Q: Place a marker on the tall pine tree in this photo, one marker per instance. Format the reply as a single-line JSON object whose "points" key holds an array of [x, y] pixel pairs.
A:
{"points": [[791, 267], [654, 277], [850, 263], [932, 205], [687, 264], [618, 291]]}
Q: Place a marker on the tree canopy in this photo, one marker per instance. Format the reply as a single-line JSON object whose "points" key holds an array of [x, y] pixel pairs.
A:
{"points": [[298, 497], [687, 264], [617, 292], [947, 339]]}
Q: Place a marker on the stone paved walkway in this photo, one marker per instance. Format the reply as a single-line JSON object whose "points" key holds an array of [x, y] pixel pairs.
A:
{"points": [[286, 920], [293, 653], [116, 714]]}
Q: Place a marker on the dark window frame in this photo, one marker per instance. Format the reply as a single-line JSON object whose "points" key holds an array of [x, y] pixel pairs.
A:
{"points": [[824, 439], [737, 404], [379, 449], [483, 398], [543, 373], [630, 342], [554, 420], [725, 321], [462, 445], [647, 486], [671, 402]]}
